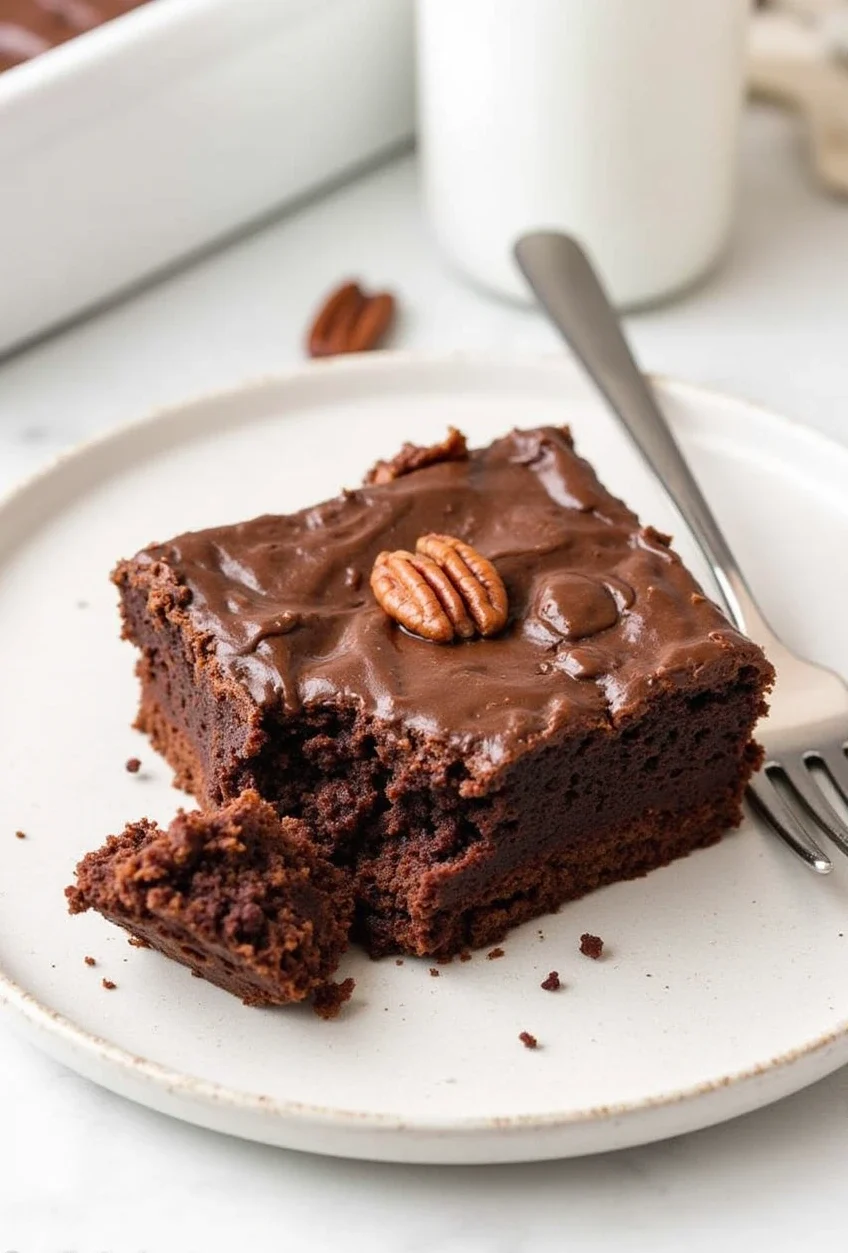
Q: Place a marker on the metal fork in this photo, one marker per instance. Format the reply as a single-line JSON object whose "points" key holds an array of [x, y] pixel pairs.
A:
{"points": [[807, 726]]}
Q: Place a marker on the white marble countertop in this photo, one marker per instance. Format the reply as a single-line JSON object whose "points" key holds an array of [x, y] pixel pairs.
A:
{"points": [[83, 1171]]}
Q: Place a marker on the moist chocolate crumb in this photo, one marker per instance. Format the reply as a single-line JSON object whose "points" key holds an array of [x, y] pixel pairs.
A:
{"points": [[398, 961], [434, 973], [591, 945], [552, 983], [138, 941], [90, 961], [529, 1041], [465, 956], [328, 999], [20, 835], [494, 953], [133, 765], [108, 985]]}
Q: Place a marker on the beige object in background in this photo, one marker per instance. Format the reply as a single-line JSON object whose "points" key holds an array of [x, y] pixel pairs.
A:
{"points": [[803, 68]]}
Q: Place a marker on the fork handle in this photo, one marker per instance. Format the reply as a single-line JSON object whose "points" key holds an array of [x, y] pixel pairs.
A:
{"points": [[568, 288]]}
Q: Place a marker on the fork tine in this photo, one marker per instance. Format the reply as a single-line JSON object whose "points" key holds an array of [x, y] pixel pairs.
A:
{"points": [[836, 764], [772, 806], [816, 803]]}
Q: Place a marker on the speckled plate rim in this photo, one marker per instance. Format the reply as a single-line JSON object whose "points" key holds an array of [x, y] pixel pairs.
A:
{"points": [[383, 1137]]}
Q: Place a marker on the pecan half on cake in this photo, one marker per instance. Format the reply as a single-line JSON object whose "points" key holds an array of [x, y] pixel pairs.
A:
{"points": [[600, 730]]}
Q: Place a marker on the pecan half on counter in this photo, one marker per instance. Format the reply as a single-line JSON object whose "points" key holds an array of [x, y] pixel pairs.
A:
{"points": [[350, 320], [443, 591]]}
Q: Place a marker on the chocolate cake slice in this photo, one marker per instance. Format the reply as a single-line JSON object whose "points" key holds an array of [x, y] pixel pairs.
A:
{"points": [[605, 730], [240, 896]]}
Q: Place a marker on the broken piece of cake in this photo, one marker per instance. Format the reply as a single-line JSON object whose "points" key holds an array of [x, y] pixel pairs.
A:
{"points": [[240, 896]]}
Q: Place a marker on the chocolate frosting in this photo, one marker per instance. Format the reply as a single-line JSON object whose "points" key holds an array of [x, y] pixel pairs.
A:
{"points": [[602, 611], [30, 27]]}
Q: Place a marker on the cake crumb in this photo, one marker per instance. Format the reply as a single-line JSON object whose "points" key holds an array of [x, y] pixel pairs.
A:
{"points": [[90, 961], [529, 1041], [591, 945], [398, 961], [552, 983], [138, 941], [328, 1000], [434, 973], [20, 835], [494, 953], [132, 765], [465, 956], [108, 984]]}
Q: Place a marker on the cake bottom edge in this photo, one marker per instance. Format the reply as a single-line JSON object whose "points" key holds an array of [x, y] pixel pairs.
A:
{"points": [[540, 888]]}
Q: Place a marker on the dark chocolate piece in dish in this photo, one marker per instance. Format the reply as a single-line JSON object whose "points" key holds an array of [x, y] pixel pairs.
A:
{"points": [[240, 896], [30, 27], [471, 786]]}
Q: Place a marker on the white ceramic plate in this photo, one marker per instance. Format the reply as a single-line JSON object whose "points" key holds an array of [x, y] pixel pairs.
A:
{"points": [[726, 980]]}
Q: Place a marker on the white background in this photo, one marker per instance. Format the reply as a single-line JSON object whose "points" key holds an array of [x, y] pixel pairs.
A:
{"points": [[82, 1171]]}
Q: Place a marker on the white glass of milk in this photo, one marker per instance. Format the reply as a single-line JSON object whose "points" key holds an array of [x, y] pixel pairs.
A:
{"points": [[615, 120]]}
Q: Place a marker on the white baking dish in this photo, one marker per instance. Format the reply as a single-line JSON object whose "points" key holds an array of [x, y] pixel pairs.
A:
{"points": [[152, 136]]}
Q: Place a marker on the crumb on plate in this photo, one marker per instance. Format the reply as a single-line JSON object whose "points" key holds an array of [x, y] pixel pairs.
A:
{"points": [[328, 1000], [591, 945]]}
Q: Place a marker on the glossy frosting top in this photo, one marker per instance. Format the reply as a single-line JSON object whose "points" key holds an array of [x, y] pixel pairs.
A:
{"points": [[602, 612], [30, 27]]}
